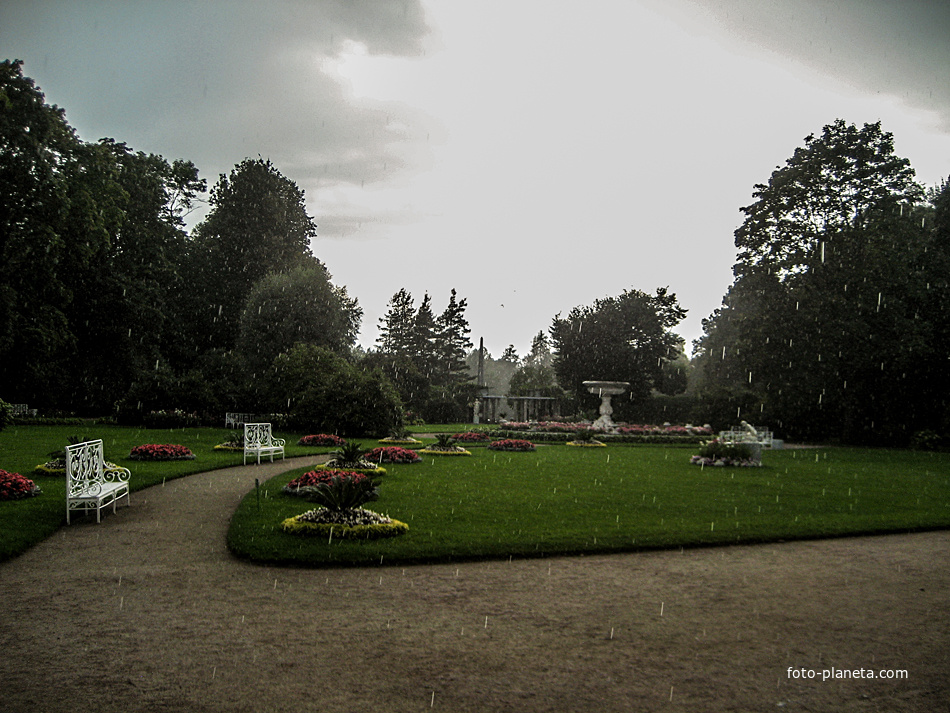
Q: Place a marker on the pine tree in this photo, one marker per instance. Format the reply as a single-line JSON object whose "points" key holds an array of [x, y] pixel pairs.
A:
{"points": [[452, 342], [423, 338], [396, 327]]}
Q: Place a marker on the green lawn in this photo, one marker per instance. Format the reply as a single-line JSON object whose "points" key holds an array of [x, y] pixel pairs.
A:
{"points": [[24, 523], [563, 500]]}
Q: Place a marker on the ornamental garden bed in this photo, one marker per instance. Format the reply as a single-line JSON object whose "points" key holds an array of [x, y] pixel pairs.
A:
{"points": [[322, 440], [161, 451], [392, 454], [340, 497], [14, 486], [472, 438], [511, 444]]}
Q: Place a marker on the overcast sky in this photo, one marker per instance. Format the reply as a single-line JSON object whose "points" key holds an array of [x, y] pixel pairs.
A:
{"points": [[533, 154]]}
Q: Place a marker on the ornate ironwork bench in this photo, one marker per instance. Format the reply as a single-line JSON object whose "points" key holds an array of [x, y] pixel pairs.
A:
{"points": [[259, 441], [89, 486]]}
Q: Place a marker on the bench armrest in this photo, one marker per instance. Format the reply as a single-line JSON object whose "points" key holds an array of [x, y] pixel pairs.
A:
{"points": [[116, 475]]}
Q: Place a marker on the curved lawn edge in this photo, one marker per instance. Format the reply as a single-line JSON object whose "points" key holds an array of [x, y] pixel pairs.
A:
{"points": [[492, 529]]}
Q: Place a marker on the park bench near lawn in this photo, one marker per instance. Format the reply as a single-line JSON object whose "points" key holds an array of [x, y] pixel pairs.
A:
{"points": [[235, 420], [89, 485], [258, 440]]}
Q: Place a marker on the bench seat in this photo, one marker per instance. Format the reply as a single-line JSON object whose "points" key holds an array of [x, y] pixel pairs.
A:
{"points": [[89, 486]]}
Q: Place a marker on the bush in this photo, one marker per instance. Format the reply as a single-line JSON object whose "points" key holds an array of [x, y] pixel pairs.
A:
{"points": [[327, 394], [927, 441], [14, 486], [172, 418], [6, 414]]}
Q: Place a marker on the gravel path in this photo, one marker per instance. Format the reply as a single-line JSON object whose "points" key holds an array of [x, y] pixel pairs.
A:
{"points": [[149, 612]]}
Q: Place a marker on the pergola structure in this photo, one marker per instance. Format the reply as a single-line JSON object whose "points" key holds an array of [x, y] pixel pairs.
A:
{"points": [[489, 408]]}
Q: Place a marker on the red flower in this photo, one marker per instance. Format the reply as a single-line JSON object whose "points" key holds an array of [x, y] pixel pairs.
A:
{"points": [[163, 451], [314, 477], [511, 444], [470, 437], [14, 486], [321, 439], [392, 454]]}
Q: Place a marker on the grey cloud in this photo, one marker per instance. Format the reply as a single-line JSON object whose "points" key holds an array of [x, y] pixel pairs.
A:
{"points": [[895, 47], [215, 82]]}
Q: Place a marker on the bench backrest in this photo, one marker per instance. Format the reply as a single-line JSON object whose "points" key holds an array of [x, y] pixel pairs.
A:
{"points": [[232, 420], [257, 435], [84, 466]]}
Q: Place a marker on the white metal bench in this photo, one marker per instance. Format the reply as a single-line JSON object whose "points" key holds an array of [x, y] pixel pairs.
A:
{"points": [[234, 420], [23, 410], [89, 486], [258, 440]]}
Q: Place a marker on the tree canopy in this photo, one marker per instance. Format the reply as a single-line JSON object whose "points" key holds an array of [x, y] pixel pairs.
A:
{"points": [[298, 306], [831, 328], [624, 338]]}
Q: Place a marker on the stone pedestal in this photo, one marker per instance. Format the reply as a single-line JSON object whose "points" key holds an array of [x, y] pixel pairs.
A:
{"points": [[606, 389]]}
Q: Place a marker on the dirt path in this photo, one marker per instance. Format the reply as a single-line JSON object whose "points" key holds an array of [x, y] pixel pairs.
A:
{"points": [[149, 612]]}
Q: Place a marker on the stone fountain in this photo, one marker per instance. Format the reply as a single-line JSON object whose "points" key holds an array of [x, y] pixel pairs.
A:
{"points": [[606, 389]]}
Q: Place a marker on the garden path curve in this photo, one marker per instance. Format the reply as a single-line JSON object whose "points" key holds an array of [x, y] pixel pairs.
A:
{"points": [[149, 612]]}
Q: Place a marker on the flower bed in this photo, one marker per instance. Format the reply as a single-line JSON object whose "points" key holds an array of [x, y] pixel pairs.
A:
{"points": [[471, 437], [511, 444], [321, 440], [587, 444], [366, 469], [392, 454], [356, 524], [57, 467], [230, 446], [408, 441], [448, 451], [301, 485], [161, 451], [14, 486]]}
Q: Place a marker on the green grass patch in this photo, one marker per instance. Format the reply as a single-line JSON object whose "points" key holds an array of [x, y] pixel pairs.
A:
{"points": [[23, 523], [559, 500]]}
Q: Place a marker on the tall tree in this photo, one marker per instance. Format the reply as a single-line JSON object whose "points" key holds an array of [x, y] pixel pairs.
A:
{"points": [[625, 338], [826, 332], [299, 306], [36, 144], [452, 343], [823, 188], [395, 327], [423, 338], [258, 224], [535, 375], [123, 289]]}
